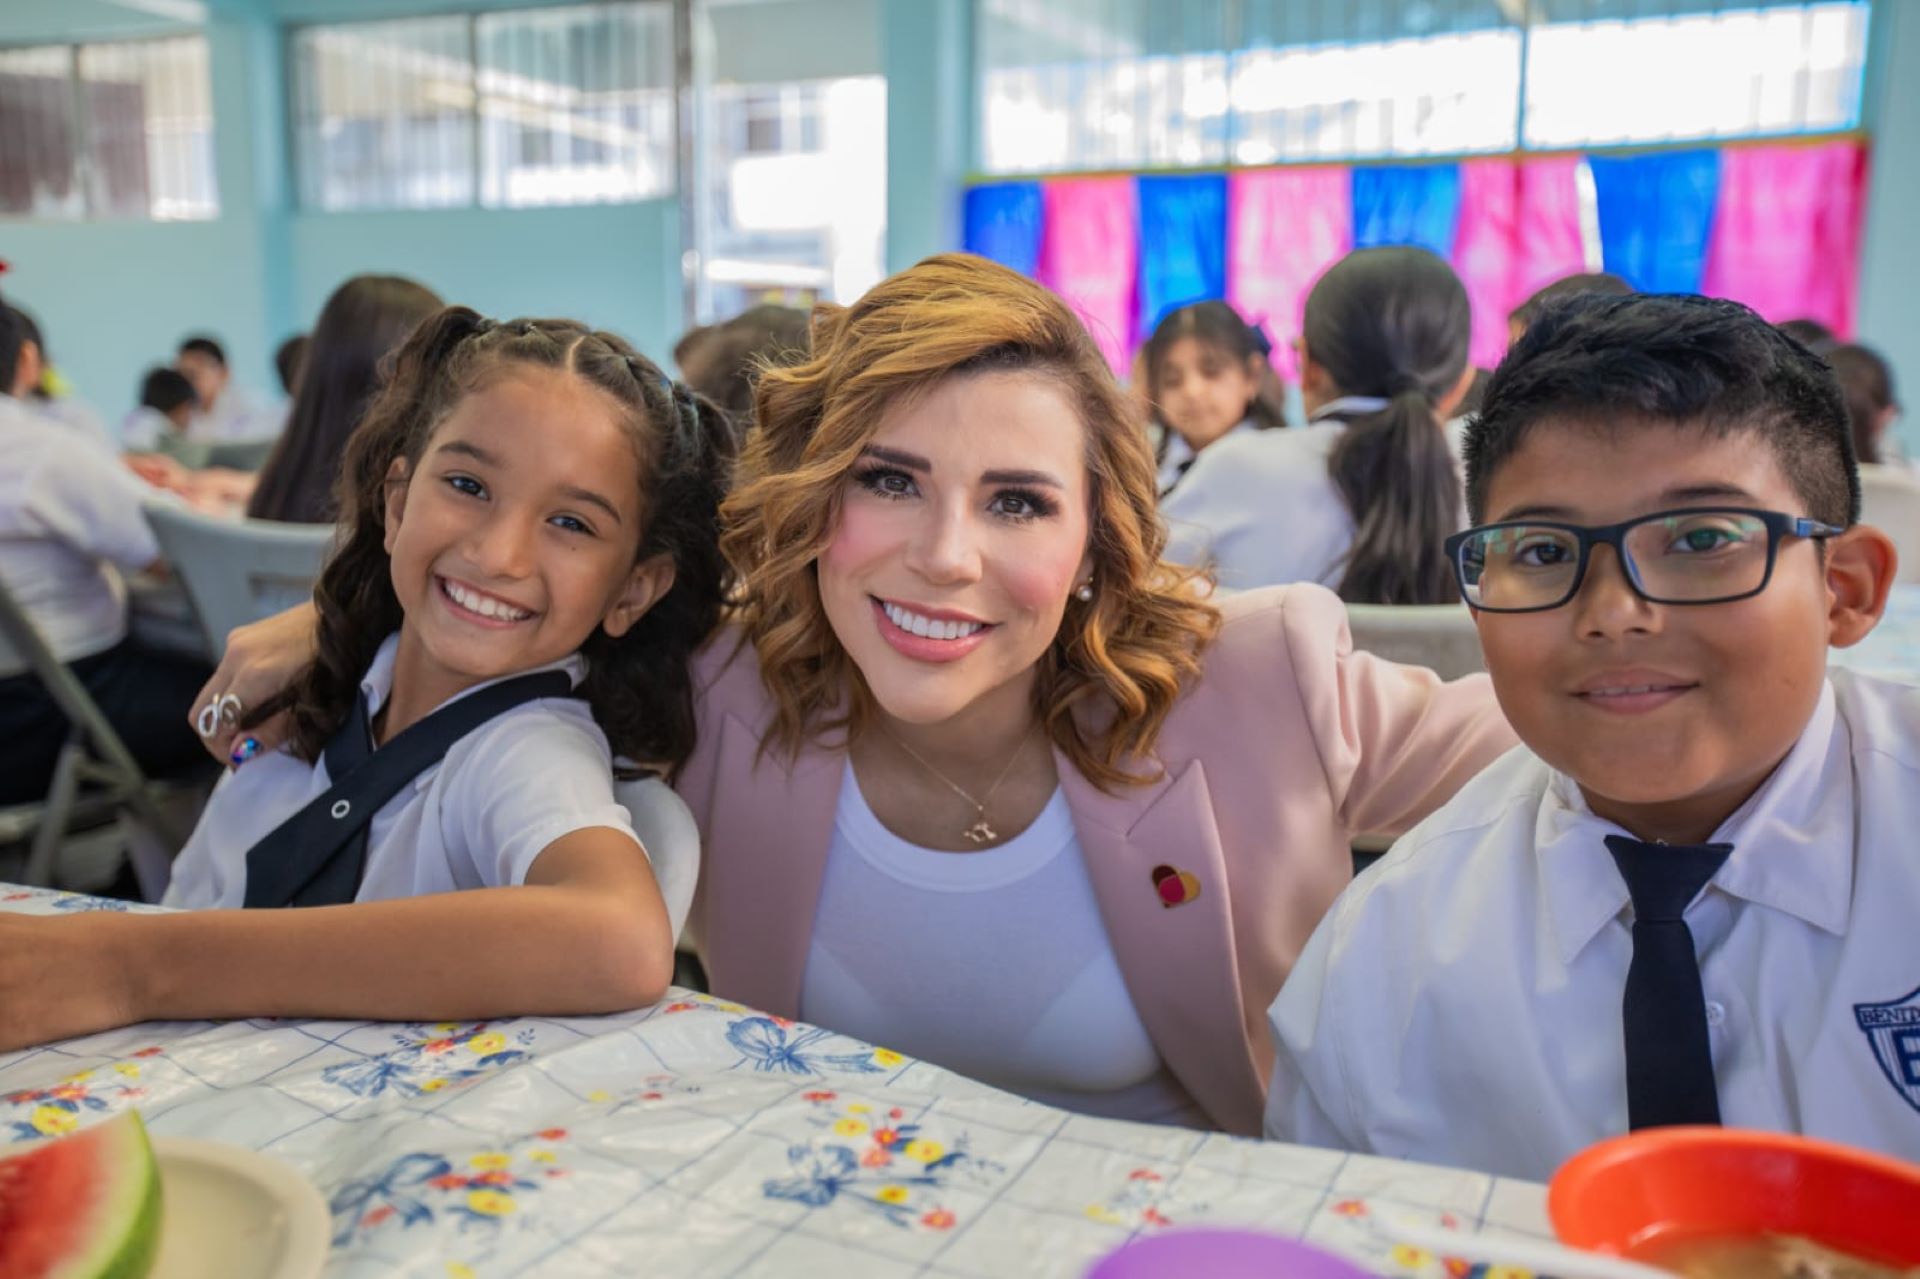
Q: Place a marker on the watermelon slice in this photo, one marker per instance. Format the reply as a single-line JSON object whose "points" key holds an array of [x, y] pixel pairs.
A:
{"points": [[82, 1207]]}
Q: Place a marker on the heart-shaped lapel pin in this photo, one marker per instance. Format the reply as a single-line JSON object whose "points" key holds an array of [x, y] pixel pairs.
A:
{"points": [[1175, 887]]}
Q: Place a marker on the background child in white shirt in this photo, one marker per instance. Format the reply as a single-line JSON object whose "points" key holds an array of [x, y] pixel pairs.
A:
{"points": [[1466, 1001], [521, 497]]}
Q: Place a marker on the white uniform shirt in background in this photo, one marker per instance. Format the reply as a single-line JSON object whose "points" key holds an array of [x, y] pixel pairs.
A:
{"points": [[1461, 1003], [995, 964], [1180, 454], [477, 819], [70, 523], [237, 415], [1260, 509]]}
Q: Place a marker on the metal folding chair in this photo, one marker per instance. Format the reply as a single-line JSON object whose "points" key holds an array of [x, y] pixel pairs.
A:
{"points": [[92, 755]]}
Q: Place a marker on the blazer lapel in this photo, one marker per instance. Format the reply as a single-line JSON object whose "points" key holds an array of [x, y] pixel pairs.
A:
{"points": [[767, 856], [1178, 961]]}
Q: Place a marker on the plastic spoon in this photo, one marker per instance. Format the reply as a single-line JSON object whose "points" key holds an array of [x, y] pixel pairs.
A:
{"points": [[1525, 1253]]}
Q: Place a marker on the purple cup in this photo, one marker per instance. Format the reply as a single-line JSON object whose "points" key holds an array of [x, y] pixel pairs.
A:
{"points": [[1221, 1254]]}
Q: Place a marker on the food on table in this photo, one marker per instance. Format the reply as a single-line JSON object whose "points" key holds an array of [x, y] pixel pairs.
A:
{"points": [[1767, 1257], [86, 1206]]}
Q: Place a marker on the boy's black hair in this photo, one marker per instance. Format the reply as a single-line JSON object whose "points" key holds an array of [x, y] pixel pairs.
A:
{"points": [[207, 346], [1675, 358], [1572, 286], [165, 390], [12, 336]]}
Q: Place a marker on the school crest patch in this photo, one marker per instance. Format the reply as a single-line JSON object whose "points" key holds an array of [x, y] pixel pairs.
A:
{"points": [[1894, 1031]]}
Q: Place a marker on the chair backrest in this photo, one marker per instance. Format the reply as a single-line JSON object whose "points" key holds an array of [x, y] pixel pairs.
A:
{"points": [[1890, 501], [666, 828], [1440, 636], [239, 455], [238, 571]]}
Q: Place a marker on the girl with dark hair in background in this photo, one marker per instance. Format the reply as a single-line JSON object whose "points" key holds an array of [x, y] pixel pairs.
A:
{"points": [[1363, 498], [1207, 377], [366, 319]]}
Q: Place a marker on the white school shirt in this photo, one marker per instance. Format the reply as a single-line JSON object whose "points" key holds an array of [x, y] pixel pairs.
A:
{"points": [[1461, 1003], [477, 819], [1261, 509], [1180, 455], [237, 415], [995, 964], [70, 524]]}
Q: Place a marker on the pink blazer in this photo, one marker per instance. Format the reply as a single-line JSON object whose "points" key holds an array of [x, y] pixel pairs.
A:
{"points": [[1288, 745]]}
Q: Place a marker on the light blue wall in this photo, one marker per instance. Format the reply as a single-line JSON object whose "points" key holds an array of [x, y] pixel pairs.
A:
{"points": [[1890, 262], [613, 266]]}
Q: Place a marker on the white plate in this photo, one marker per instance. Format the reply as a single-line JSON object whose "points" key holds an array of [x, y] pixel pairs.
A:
{"points": [[236, 1213]]}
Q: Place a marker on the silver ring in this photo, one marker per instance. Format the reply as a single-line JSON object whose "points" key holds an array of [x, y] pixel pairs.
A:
{"points": [[207, 722], [231, 708]]}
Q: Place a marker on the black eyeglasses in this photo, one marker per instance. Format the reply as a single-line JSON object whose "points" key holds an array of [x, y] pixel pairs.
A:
{"points": [[1706, 555]]}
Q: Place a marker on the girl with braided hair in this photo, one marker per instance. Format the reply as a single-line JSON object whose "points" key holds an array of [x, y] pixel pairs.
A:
{"points": [[528, 556]]}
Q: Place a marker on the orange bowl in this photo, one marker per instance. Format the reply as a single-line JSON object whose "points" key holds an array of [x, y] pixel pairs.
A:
{"points": [[1653, 1188]]}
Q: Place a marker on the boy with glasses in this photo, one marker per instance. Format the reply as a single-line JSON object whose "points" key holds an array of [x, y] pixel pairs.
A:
{"points": [[1693, 895]]}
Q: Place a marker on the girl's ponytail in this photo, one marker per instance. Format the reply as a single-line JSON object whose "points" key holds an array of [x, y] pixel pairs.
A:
{"points": [[1394, 322]]}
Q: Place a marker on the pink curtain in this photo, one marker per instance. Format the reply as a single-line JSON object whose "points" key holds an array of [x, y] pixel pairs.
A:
{"points": [[1087, 256], [1786, 237], [1484, 251], [1551, 240], [1284, 228]]}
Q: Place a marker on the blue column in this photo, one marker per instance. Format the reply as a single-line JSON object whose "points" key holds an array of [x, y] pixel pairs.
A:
{"points": [[1890, 259], [927, 51]]}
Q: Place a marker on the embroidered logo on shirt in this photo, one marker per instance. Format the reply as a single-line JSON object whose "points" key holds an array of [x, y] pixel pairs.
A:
{"points": [[1893, 1029]]}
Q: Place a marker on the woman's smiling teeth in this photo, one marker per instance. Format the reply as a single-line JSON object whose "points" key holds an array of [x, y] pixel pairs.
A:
{"points": [[927, 627], [485, 605]]}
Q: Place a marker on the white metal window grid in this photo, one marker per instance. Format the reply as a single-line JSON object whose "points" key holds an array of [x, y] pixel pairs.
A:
{"points": [[174, 165], [1475, 87], [495, 135]]}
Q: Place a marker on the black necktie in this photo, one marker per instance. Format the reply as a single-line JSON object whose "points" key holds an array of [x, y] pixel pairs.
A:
{"points": [[318, 856], [1669, 1061]]}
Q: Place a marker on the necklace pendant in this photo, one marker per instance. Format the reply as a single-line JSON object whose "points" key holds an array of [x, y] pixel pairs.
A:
{"points": [[979, 832]]}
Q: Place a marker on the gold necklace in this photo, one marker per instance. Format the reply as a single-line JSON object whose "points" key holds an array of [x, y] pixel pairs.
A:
{"points": [[980, 832]]}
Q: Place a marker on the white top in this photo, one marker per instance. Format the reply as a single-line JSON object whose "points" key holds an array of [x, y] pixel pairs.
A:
{"points": [[995, 964], [477, 819], [237, 415], [1461, 1003], [69, 518], [75, 414], [142, 429], [1261, 509], [1179, 453]]}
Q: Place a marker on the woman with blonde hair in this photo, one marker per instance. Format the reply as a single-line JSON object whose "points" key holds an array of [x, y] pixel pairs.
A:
{"points": [[978, 776]]}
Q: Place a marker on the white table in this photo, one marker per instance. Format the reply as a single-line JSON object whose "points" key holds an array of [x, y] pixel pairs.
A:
{"points": [[698, 1137]]}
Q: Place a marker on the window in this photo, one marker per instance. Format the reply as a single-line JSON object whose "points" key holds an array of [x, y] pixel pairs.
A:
{"points": [[794, 206], [506, 110], [1130, 84], [122, 130]]}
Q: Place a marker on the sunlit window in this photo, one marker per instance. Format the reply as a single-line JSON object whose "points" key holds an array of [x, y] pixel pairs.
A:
{"points": [[117, 130], [1067, 85], [527, 107]]}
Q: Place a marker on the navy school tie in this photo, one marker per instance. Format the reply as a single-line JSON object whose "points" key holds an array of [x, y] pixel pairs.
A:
{"points": [[1669, 1060], [318, 856]]}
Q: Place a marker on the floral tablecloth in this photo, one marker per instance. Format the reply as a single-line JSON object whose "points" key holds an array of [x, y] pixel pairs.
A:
{"points": [[702, 1138]]}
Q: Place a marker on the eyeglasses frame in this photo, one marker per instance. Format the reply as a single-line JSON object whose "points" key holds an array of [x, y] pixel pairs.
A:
{"points": [[1778, 525]]}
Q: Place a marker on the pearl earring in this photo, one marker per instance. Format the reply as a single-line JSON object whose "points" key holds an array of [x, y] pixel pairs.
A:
{"points": [[1085, 593]]}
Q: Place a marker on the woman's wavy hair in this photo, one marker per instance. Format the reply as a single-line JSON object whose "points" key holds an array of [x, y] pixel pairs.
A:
{"points": [[640, 685], [1120, 659]]}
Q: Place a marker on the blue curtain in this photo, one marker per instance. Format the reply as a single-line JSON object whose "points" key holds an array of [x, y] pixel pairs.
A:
{"points": [[1004, 222], [1406, 204], [1656, 213], [1183, 244]]}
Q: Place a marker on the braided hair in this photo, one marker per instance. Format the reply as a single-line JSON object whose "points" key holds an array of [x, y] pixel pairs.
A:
{"points": [[640, 685]]}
